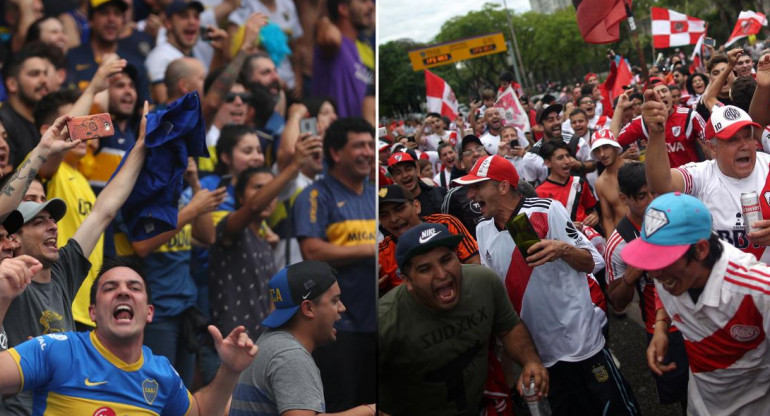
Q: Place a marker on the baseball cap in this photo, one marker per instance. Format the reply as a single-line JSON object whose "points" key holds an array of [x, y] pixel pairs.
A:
{"points": [[56, 207], [725, 121], [96, 4], [13, 222], [177, 6], [295, 283], [423, 238], [553, 108], [490, 167], [471, 138], [589, 75], [382, 145], [400, 157], [672, 222], [392, 193], [602, 137]]}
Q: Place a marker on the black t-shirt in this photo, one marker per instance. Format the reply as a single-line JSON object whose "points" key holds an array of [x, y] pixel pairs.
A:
{"points": [[23, 136], [431, 198], [704, 112]]}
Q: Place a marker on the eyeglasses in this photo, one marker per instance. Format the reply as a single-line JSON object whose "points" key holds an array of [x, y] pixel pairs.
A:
{"points": [[479, 150], [231, 96]]}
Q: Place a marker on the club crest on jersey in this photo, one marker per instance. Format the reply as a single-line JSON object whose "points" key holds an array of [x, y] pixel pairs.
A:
{"points": [[600, 373], [767, 197], [744, 333], [654, 220], [150, 390], [676, 130]]}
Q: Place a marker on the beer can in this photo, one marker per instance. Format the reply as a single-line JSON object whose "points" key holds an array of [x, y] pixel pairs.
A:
{"points": [[751, 211]]}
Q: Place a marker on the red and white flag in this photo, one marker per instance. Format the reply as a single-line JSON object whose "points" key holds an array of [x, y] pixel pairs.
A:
{"points": [[441, 99], [749, 23], [513, 111], [670, 28], [599, 20], [697, 56]]}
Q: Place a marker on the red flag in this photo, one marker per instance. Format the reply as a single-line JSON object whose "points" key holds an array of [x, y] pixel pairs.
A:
{"points": [[670, 28], [697, 60], [749, 23], [441, 99], [622, 78], [599, 20]]}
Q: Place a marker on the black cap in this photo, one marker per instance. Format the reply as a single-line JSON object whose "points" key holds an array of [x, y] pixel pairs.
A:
{"points": [[423, 238], [177, 6], [392, 193], [469, 139], [553, 108], [13, 222]]}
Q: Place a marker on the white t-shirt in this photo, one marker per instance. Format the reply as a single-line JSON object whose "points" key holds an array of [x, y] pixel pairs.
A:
{"points": [[158, 59], [530, 167], [726, 335], [722, 195], [285, 16], [491, 142], [432, 140], [552, 299]]}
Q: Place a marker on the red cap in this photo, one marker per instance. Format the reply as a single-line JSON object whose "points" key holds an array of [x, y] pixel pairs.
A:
{"points": [[491, 167], [399, 157], [589, 75], [652, 82]]}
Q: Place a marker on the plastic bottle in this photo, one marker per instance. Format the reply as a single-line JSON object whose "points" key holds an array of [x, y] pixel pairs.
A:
{"points": [[538, 406]]}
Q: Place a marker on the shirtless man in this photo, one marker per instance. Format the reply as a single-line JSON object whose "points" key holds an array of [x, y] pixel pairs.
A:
{"points": [[605, 149]]}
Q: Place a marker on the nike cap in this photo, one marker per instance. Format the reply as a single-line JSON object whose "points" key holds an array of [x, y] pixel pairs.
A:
{"points": [[295, 283], [423, 238]]}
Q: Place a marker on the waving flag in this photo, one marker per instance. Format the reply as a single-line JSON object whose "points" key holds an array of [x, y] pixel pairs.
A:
{"points": [[749, 23], [513, 112], [670, 28], [441, 99], [599, 20], [697, 56]]}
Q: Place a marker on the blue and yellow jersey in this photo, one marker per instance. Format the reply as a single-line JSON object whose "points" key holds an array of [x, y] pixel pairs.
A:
{"points": [[72, 373], [98, 166], [71, 186], [329, 210]]}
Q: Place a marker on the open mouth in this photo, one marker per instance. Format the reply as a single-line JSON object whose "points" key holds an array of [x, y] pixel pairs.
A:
{"points": [[123, 313], [446, 292], [668, 284], [743, 162], [50, 243]]}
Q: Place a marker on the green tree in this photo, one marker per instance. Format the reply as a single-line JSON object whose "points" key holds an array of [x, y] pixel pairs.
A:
{"points": [[402, 90]]}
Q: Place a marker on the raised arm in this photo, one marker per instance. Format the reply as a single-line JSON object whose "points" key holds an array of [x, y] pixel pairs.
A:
{"points": [[290, 135], [760, 103], [54, 142], [617, 117], [114, 194], [710, 95], [660, 177]]}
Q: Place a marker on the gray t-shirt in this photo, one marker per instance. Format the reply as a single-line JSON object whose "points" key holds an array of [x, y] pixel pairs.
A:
{"points": [[239, 274], [282, 377], [45, 308]]}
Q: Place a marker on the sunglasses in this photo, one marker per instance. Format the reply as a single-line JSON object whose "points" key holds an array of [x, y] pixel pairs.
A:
{"points": [[245, 97]]}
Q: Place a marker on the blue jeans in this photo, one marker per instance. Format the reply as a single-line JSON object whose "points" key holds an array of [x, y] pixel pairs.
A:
{"points": [[165, 338]]}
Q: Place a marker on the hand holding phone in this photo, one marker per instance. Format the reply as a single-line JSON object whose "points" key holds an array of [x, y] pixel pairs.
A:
{"points": [[709, 42], [308, 125], [225, 181]]}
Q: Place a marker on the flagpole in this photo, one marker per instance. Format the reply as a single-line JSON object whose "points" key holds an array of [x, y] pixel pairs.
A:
{"points": [[635, 39], [517, 60]]}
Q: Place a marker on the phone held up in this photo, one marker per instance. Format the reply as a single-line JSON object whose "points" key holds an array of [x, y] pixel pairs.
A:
{"points": [[308, 125], [91, 127]]}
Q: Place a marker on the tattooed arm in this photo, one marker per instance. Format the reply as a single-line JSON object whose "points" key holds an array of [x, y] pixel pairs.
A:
{"points": [[54, 141], [215, 97]]}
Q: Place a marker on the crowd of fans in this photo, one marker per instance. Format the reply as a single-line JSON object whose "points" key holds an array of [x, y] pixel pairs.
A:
{"points": [[585, 176], [239, 173]]}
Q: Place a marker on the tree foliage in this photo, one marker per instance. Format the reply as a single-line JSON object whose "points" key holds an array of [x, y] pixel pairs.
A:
{"points": [[550, 45]]}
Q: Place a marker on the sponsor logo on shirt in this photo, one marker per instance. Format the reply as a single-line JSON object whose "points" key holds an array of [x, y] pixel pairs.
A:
{"points": [[94, 383], [744, 333]]}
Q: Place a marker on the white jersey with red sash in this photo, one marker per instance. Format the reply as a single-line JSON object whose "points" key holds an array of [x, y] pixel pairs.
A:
{"points": [[725, 334], [722, 195], [552, 299]]}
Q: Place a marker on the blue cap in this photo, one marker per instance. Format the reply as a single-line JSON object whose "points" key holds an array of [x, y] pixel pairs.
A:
{"points": [[177, 6], [672, 223], [423, 238], [294, 284]]}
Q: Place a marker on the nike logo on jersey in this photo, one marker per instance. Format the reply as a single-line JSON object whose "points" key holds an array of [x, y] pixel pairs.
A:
{"points": [[95, 383], [427, 235], [340, 204]]}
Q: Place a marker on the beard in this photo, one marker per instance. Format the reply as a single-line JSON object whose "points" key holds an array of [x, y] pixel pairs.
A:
{"points": [[26, 99]]}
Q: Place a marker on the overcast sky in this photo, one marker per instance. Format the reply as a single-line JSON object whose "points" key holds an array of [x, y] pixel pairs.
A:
{"points": [[421, 20]]}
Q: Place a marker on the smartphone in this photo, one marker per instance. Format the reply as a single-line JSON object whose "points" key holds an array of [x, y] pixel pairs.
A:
{"points": [[308, 125], [225, 181], [205, 33], [710, 42], [91, 127], [522, 232]]}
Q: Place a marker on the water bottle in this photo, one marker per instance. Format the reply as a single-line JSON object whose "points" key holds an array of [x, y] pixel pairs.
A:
{"points": [[538, 406]]}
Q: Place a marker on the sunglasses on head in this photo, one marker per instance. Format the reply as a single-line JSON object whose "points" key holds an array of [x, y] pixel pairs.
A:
{"points": [[231, 96]]}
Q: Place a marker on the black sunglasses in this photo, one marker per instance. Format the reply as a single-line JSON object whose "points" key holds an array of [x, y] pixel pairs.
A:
{"points": [[245, 97]]}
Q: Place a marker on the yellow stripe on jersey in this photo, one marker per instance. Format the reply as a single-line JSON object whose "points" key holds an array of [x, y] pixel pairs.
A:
{"points": [[100, 167], [208, 164], [17, 360], [219, 215], [182, 241], [59, 404], [366, 54], [352, 232], [117, 362]]}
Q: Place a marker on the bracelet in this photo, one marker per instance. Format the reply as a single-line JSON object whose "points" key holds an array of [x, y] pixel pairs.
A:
{"points": [[668, 323]]}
